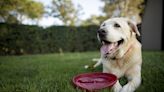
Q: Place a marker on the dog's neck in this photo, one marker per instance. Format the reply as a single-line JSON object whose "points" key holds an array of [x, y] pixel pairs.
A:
{"points": [[128, 49]]}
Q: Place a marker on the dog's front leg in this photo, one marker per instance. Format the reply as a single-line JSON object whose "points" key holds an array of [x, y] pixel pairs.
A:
{"points": [[132, 85], [99, 61], [116, 87], [134, 80]]}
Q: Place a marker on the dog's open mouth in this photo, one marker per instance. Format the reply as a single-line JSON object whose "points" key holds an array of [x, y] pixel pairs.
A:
{"points": [[110, 47]]}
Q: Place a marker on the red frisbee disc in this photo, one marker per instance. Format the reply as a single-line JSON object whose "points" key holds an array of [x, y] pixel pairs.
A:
{"points": [[94, 81]]}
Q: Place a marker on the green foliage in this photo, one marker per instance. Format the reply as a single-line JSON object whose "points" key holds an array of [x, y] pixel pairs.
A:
{"points": [[24, 39], [54, 72], [124, 8], [65, 11], [13, 11], [94, 19], [118, 8]]}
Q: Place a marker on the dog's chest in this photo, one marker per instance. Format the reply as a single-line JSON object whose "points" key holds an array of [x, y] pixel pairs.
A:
{"points": [[114, 67]]}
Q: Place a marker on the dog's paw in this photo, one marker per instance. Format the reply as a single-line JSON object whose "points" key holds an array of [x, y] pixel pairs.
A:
{"points": [[127, 88], [117, 87]]}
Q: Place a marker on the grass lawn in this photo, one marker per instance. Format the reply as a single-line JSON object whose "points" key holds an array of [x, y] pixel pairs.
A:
{"points": [[53, 72]]}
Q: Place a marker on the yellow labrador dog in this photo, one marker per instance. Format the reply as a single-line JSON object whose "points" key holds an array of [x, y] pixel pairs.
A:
{"points": [[121, 52]]}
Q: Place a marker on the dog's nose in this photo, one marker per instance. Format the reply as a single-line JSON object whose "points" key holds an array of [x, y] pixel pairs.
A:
{"points": [[101, 32]]}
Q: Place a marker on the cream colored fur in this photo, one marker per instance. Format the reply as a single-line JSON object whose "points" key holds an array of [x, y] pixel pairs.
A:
{"points": [[128, 56]]}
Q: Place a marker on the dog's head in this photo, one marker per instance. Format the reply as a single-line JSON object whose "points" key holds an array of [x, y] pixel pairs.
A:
{"points": [[115, 32]]}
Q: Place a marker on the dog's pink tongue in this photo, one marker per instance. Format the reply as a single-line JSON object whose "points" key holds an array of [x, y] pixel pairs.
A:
{"points": [[108, 48]]}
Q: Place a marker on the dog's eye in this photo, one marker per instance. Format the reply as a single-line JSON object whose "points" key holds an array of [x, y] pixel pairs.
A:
{"points": [[116, 25]]}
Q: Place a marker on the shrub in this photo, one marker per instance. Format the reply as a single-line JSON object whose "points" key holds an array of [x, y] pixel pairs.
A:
{"points": [[25, 39]]}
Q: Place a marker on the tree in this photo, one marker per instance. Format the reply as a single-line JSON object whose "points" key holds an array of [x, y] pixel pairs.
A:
{"points": [[93, 20], [124, 8], [65, 11], [14, 11]]}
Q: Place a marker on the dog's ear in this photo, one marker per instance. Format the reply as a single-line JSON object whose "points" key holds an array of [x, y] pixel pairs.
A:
{"points": [[133, 27]]}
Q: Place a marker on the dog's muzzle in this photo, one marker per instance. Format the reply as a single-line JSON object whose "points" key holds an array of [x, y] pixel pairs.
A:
{"points": [[102, 33]]}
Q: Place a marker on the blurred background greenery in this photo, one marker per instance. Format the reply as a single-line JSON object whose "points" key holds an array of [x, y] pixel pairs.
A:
{"points": [[73, 35]]}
